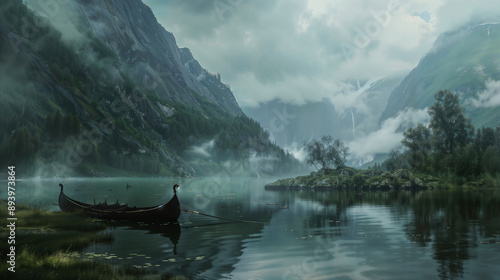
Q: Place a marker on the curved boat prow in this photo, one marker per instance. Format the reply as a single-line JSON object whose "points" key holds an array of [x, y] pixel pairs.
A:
{"points": [[167, 212]]}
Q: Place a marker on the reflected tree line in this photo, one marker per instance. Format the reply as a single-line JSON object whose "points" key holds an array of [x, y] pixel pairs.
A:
{"points": [[453, 223], [457, 222]]}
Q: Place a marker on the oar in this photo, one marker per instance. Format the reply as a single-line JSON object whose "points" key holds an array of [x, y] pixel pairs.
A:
{"points": [[222, 218]]}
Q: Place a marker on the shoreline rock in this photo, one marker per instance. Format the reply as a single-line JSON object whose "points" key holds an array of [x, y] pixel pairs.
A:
{"points": [[352, 179]]}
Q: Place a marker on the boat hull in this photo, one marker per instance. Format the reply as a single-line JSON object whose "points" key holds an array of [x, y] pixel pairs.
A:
{"points": [[163, 213]]}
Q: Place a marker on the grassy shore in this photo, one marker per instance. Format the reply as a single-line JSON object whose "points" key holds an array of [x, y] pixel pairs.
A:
{"points": [[47, 246]]}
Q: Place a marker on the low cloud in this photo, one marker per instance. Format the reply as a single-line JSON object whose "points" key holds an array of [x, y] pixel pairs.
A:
{"points": [[296, 90], [204, 150], [389, 136], [296, 50], [293, 50], [490, 97], [297, 151], [66, 17], [62, 16]]}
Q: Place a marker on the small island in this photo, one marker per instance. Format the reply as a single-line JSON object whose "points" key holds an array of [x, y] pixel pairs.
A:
{"points": [[448, 152], [348, 178]]}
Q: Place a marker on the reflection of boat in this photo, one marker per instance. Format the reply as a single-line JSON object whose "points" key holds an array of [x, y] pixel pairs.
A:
{"points": [[171, 231], [167, 212]]}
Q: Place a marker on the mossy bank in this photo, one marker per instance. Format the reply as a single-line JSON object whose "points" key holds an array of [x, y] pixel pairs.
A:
{"points": [[48, 246], [372, 179]]}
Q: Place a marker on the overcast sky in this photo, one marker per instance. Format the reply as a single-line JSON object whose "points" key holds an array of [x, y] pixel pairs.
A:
{"points": [[300, 50]]}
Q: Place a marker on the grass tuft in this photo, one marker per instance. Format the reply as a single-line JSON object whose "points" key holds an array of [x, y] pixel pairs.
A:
{"points": [[47, 246]]}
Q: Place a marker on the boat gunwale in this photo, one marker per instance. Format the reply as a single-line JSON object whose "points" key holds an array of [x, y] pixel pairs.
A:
{"points": [[108, 210]]}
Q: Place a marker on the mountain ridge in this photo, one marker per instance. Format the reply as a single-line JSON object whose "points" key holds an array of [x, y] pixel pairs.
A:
{"points": [[138, 39], [136, 109], [462, 61]]}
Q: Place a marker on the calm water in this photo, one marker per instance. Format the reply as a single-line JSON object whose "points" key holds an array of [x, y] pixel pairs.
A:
{"points": [[322, 235]]}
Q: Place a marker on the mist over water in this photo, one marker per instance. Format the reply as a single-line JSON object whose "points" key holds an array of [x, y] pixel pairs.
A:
{"points": [[309, 235], [254, 165], [140, 99]]}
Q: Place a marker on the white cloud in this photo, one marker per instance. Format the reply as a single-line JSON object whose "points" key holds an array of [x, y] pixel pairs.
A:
{"points": [[275, 45], [203, 150], [294, 89], [490, 97], [297, 151], [292, 49], [389, 136], [456, 13]]}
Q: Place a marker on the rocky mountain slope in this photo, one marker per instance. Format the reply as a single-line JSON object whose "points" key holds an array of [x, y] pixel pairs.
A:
{"points": [[464, 61], [148, 53], [100, 88], [290, 125]]}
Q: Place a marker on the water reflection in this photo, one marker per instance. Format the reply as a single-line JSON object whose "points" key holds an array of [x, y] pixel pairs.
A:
{"points": [[457, 222], [454, 224], [368, 235], [171, 231]]}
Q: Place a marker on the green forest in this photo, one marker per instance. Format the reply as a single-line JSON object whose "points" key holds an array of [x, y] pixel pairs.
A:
{"points": [[448, 152], [450, 147], [65, 111]]}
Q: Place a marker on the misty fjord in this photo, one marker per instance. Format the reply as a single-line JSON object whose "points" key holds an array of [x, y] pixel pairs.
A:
{"points": [[238, 139]]}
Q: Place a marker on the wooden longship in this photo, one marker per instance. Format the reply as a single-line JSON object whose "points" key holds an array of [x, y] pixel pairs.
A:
{"points": [[163, 213]]}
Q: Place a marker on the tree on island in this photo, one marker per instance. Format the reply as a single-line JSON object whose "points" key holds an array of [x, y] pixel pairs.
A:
{"points": [[450, 127], [395, 160], [327, 153], [447, 146], [418, 142]]}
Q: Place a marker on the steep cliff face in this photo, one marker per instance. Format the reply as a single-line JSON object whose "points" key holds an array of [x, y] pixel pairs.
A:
{"points": [[220, 91], [101, 88], [131, 30], [31, 93]]}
